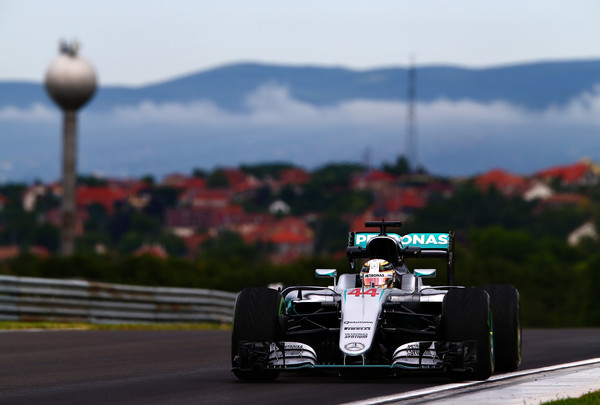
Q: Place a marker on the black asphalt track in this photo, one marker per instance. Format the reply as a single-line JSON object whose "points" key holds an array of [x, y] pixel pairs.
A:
{"points": [[192, 367]]}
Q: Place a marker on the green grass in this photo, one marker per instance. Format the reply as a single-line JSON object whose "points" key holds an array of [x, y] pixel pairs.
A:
{"points": [[7, 325], [591, 398]]}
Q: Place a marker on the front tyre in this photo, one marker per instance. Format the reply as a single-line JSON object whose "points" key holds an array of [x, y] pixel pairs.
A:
{"points": [[466, 316], [256, 324]]}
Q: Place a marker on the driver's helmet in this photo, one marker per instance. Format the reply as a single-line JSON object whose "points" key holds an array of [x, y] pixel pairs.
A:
{"points": [[377, 273]]}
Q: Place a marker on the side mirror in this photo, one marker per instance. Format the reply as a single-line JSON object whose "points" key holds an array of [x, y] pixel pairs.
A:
{"points": [[425, 273], [326, 273]]}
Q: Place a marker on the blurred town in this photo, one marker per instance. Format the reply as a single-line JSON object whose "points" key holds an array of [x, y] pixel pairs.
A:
{"points": [[285, 210]]}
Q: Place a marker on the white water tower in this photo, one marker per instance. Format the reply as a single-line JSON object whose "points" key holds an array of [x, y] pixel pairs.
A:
{"points": [[70, 82]]}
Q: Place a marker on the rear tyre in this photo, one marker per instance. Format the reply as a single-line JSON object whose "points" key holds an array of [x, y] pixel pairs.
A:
{"points": [[466, 316], [256, 319], [506, 314]]}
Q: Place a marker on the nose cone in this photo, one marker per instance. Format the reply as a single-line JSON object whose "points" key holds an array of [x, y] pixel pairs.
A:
{"points": [[70, 81]]}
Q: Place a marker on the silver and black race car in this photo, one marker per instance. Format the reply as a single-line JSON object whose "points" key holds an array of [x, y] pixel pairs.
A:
{"points": [[380, 316]]}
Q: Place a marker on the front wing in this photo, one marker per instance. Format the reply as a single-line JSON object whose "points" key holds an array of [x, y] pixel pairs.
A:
{"points": [[411, 357]]}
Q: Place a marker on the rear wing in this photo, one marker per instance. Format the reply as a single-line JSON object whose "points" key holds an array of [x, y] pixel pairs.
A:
{"points": [[412, 245]]}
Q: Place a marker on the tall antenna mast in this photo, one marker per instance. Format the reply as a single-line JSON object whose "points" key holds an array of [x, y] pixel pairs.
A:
{"points": [[411, 127]]}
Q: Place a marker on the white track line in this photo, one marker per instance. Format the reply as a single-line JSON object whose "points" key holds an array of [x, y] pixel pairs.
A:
{"points": [[567, 386]]}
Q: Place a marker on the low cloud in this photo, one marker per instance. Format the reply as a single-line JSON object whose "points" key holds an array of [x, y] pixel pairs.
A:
{"points": [[36, 113], [454, 137], [269, 106], [273, 106]]}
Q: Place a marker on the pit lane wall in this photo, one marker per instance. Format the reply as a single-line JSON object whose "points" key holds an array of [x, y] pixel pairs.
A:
{"points": [[39, 299]]}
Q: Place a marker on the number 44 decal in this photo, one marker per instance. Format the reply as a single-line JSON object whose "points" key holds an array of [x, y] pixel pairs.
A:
{"points": [[357, 292]]}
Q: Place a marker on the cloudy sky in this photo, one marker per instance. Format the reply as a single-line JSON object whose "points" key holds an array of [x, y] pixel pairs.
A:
{"points": [[137, 42]]}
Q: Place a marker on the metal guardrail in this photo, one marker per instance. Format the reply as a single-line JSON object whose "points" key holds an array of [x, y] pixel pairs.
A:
{"points": [[39, 299]]}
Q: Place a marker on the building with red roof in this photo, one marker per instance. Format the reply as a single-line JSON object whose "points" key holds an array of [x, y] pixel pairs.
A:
{"points": [[154, 250], [582, 173], [176, 180], [293, 177], [239, 181], [8, 252], [193, 242], [372, 180], [291, 238], [205, 198], [206, 218], [507, 183], [194, 183], [108, 197], [405, 201]]}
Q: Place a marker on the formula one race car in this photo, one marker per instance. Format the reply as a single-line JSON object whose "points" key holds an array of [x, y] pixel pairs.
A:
{"points": [[381, 317]]}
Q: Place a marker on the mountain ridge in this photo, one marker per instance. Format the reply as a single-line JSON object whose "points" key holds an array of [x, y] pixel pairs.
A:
{"points": [[534, 86]]}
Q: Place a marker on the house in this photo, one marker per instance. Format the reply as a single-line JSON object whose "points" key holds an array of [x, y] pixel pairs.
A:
{"points": [[279, 207], [587, 230], [439, 188], [358, 223], [538, 191], [290, 245], [205, 198], [193, 242], [9, 252], [583, 173], [371, 180], [108, 197], [31, 195], [176, 180], [184, 221], [254, 227], [392, 203], [510, 185], [154, 250], [293, 177], [404, 201], [239, 181], [291, 238]]}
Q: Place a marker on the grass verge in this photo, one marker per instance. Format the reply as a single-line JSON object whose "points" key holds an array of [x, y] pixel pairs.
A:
{"points": [[592, 398]]}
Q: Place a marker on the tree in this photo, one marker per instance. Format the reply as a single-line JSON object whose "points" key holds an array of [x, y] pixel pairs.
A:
{"points": [[401, 166], [264, 170], [46, 235], [173, 245], [97, 218], [335, 175], [92, 181], [331, 235], [130, 242], [145, 225], [148, 179], [217, 179], [199, 173]]}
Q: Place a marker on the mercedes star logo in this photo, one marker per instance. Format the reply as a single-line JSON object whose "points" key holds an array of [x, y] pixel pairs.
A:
{"points": [[354, 346]]}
